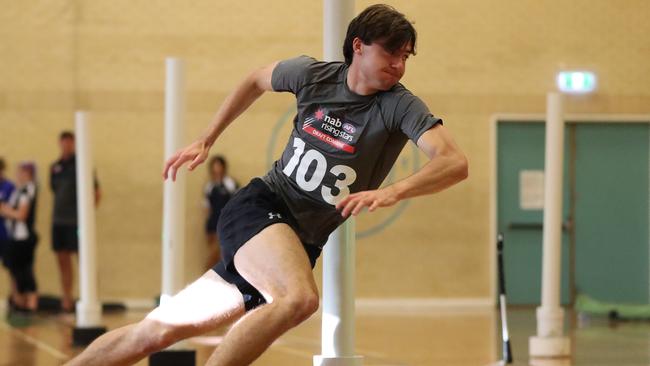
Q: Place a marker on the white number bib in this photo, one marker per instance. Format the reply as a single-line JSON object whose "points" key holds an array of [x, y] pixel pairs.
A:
{"points": [[344, 174]]}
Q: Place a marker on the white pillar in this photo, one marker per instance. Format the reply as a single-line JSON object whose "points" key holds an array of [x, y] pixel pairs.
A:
{"points": [[337, 14], [550, 340], [88, 308], [338, 332], [338, 255], [173, 235]]}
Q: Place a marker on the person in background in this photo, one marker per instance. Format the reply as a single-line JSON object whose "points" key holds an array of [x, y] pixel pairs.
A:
{"points": [[19, 214], [6, 188], [217, 192], [63, 182]]}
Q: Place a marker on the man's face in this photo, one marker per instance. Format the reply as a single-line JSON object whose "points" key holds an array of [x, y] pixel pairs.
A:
{"points": [[23, 176], [217, 171], [67, 146], [380, 67]]}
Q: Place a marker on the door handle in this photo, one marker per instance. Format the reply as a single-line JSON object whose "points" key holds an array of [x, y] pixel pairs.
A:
{"points": [[566, 225]]}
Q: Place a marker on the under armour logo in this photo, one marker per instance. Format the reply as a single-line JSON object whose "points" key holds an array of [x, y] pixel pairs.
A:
{"points": [[274, 215]]}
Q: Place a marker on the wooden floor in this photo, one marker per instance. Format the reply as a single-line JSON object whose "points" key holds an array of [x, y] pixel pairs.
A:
{"points": [[446, 338]]}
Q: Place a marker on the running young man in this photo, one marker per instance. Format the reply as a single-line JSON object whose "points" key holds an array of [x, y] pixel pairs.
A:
{"points": [[353, 120]]}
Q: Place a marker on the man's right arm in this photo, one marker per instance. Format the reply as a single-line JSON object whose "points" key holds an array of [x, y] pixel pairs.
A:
{"points": [[51, 177], [251, 88]]}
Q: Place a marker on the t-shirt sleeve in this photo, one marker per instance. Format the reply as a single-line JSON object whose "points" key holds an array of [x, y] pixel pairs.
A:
{"points": [[230, 184], [6, 189], [292, 74], [414, 117]]}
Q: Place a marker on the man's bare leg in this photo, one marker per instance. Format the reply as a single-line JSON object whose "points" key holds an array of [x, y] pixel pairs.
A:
{"points": [[276, 264], [204, 305], [31, 301], [64, 259]]}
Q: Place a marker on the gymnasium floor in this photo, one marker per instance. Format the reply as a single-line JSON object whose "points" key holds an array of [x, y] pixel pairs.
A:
{"points": [[445, 338]]}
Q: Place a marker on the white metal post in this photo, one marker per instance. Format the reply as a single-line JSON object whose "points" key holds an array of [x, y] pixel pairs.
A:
{"points": [[173, 235], [88, 307], [550, 340], [338, 336]]}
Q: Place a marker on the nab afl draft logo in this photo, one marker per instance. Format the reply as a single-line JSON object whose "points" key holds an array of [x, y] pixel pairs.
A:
{"points": [[349, 128], [367, 225]]}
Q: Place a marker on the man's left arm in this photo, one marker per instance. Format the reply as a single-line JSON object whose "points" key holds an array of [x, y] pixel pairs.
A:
{"points": [[19, 213], [447, 166], [98, 196], [98, 190]]}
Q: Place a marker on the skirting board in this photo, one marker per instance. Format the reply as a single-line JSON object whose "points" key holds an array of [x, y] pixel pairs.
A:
{"points": [[379, 305], [365, 305], [423, 305]]}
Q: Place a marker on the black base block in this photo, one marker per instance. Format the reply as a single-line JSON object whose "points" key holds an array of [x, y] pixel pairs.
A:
{"points": [[52, 304], [173, 358], [85, 336]]}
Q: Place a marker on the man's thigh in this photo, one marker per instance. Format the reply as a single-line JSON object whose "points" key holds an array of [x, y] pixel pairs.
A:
{"points": [[204, 305], [275, 262]]}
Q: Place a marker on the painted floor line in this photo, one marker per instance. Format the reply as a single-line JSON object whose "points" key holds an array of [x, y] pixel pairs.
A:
{"points": [[35, 342]]}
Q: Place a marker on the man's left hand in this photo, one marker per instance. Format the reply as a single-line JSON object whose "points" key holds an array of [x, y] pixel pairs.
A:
{"points": [[354, 203]]}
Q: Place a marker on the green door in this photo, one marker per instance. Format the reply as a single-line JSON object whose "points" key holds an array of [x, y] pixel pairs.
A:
{"points": [[605, 236], [612, 211]]}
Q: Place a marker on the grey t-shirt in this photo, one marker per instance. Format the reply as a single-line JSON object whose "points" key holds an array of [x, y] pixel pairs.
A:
{"points": [[63, 182], [64, 187], [341, 142]]}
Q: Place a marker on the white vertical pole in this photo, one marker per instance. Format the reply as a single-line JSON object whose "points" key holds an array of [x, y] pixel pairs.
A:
{"points": [[337, 14], [337, 332], [88, 307], [550, 340], [173, 236], [554, 158]]}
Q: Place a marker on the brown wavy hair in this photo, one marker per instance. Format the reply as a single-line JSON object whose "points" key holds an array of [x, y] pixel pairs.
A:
{"points": [[382, 24]]}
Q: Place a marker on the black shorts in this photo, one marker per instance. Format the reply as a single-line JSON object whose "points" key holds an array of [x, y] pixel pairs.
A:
{"points": [[3, 246], [65, 238], [248, 212], [211, 224]]}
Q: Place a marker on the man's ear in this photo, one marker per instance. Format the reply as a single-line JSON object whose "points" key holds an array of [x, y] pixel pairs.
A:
{"points": [[356, 45]]}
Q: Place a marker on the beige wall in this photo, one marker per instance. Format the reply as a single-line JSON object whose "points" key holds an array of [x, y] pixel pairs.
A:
{"points": [[475, 58]]}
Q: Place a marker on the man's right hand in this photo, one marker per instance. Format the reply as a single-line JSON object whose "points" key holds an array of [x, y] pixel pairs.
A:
{"points": [[237, 102], [195, 153]]}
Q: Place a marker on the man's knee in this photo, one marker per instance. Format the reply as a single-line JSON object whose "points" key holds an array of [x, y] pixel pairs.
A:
{"points": [[299, 305], [64, 257], [152, 336]]}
